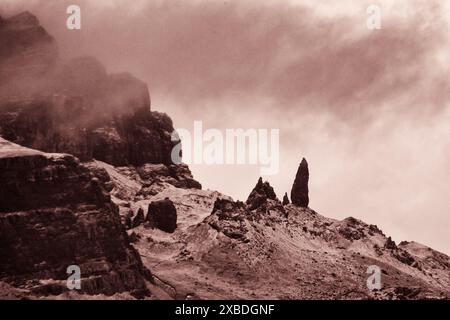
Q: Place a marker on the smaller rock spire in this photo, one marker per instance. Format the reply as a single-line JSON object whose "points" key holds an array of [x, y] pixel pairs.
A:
{"points": [[260, 193], [285, 199]]}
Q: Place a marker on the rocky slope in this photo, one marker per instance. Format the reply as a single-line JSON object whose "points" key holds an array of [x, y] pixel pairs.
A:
{"points": [[220, 249], [262, 249]]}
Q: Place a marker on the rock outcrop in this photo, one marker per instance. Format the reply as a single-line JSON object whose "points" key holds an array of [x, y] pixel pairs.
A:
{"points": [[54, 213], [138, 219], [228, 217], [177, 175], [299, 192], [162, 215], [262, 192], [132, 138], [285, 199], [390, 244]]}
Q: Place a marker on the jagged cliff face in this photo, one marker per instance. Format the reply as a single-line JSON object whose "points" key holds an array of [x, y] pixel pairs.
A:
{"points": [[54, 210], [55, 213], [75, 107]]}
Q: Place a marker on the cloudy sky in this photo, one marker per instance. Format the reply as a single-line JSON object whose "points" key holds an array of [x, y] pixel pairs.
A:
{"points": [[369, 109]]}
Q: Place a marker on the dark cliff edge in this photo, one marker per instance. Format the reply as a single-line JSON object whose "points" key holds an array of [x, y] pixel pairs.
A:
{"points": [[54, 210], [55, 213], [74, 107]]}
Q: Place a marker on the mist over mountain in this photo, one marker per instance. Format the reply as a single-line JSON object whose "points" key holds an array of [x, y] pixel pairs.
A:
{"points": [[75, 106], [87, 180], [371, 100]]}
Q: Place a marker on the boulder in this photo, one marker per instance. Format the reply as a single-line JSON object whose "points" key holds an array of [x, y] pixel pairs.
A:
{"points": [[162, 215]]}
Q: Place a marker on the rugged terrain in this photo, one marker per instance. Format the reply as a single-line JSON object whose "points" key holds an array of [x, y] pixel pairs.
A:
{"points": [[86, 179], [74, 106], [55, 213], [223, 249]]}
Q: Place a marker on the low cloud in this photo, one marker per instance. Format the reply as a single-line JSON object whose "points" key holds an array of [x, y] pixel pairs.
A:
{"points": [[369, 109]]}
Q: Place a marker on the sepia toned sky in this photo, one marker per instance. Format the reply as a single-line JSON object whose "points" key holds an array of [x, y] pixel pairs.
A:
{"points": [[368, 109]]}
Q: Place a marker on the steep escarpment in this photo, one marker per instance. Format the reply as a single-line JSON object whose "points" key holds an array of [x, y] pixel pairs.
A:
{"points": [[54, 210], [55, 213], [75, 107], [120, 139]]}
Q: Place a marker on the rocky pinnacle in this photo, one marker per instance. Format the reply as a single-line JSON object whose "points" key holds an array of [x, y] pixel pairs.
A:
{"points": [[285, 199], [299, 192]]}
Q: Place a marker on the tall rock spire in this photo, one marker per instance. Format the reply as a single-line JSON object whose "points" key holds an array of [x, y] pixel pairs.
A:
{"points": [[299, 192]]}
